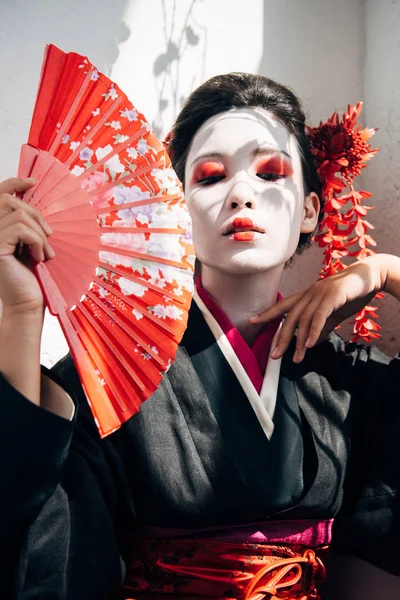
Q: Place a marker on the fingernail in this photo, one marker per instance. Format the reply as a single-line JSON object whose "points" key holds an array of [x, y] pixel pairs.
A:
{"points": [[47, 228], [296, 356], [29, 180], [308, 342], [275, 352], [51, 252]]}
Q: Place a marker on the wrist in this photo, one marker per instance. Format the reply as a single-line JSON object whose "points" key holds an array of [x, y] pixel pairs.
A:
{"points": [[390, 274], [27, 321]]}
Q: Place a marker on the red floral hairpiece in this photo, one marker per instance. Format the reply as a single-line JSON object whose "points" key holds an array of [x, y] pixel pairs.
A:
{"points": [[341, 150]]}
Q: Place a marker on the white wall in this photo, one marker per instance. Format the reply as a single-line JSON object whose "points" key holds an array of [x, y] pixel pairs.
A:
{"points": [[330, 52], [382, 110]]}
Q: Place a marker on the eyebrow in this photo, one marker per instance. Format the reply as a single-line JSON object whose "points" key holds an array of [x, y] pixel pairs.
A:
{"points": [[269, 150], [262, 151]]}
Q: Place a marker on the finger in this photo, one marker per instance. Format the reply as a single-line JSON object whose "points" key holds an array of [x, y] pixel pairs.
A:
{"points": [[20, 232], [288, 328], [280, 308], [320, 323], [309, 326], [16, 185], [18, 218], [10, 204]]}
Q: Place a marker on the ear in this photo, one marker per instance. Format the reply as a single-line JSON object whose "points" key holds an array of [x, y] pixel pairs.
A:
{"points": [[310, 213]]}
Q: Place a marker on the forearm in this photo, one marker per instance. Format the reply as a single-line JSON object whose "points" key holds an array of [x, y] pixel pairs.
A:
{"points": [[390, 274], [20, 335]]}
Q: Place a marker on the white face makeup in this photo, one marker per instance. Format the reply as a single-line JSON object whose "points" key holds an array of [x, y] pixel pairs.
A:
{"points": [[244, 190]]}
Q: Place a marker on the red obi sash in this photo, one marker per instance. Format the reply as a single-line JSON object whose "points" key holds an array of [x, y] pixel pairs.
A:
{"points": [[195, 569]]}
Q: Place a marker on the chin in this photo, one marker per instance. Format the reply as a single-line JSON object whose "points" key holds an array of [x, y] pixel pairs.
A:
{"points": [[237, 266]]}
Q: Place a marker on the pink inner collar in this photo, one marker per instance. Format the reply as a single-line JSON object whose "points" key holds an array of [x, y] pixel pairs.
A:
{"points": [[254, 358]]}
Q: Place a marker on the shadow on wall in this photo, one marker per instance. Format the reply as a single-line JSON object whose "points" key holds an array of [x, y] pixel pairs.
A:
{"points": [[167, 67], [91, 28]]}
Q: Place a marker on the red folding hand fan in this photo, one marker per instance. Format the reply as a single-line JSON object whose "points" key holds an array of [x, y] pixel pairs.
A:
{"points": [[121, 281]]}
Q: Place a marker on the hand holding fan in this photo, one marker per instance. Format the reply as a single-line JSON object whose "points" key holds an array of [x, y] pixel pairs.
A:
{"points": [[122, 278]]}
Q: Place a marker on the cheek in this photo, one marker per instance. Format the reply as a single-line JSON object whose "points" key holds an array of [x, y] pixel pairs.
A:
{"points": [[203, 206]]}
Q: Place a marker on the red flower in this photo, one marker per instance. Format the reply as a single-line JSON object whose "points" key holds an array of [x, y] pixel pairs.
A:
{"points": [[341, 150]]}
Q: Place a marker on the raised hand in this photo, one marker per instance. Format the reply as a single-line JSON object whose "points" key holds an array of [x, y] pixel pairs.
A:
{"points": [[318, 310], [20, 226]]}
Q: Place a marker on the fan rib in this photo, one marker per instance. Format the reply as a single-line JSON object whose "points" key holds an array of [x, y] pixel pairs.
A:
{"points": [[133, 254], [154, 200], [111, 342], [91, 254], [137, 338], [129, 177], [73, 213], [103, 161], [85, 273], [135, 279], [102, 408], [110, 229], [95, 129], [106, 366], [71, 112], [141, 379], [70, 227], [41, 168], [133, 304], [70, 289]]}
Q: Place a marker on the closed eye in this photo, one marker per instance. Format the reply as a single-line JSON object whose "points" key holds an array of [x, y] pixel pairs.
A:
{"points": [[210, 180], [270, 176]]}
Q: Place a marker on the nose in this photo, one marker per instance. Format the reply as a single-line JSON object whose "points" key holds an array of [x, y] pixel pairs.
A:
{"points": [[241, 195]]}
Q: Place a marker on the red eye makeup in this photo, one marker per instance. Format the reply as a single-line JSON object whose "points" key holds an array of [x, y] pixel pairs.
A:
{"points": [[275, 164], [208, 170]]}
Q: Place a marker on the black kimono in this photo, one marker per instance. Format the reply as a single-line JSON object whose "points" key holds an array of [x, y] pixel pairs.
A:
{"points": [[196, 456]]}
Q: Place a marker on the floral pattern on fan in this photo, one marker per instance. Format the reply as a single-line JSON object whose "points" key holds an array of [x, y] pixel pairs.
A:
{"points": [[126, 293]]}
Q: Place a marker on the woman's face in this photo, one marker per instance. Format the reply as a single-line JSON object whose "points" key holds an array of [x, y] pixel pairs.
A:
{"points": [[244, 191]]}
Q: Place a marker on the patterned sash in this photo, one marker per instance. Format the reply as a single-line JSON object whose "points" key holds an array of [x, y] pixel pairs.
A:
{"points": [[186, 569]]}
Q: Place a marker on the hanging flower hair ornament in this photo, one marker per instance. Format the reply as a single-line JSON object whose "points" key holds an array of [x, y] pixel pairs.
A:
{"points": [[341, 150]]}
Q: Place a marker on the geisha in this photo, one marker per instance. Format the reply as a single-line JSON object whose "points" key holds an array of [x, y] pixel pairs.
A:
{"points": [[261, 449]]}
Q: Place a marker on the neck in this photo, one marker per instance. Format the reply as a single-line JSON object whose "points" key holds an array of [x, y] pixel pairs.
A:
{"points": [[243, 296]]}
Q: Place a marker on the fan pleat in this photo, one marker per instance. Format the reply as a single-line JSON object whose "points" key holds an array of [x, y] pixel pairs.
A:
{"points": [[67, 226], [139, 338], [157, 259], [72, 214], [147, 202], [105, 230], [93, 130], [107, 366], [67, 262], [140, 307], [69, 283], [147, 330], [70, 115], [130, 277], [119, 341], [78, 254]]}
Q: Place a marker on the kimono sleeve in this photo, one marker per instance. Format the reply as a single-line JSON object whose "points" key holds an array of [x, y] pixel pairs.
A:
{"points": [[368, 525], [59, 501]]}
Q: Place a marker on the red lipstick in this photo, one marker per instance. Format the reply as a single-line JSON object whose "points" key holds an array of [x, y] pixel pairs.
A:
{"points": [[244, 236], [243, 223], [246, 229]]}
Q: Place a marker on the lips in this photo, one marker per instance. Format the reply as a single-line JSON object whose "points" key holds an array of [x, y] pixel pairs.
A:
{"points": [[242, 224]]}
